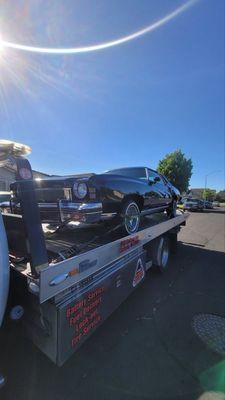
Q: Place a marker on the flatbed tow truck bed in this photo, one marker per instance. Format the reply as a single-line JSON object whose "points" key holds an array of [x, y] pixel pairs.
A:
{"points": [[89, 274]]}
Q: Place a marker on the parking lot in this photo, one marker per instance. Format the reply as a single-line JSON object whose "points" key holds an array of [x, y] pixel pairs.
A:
{"points": [[148, 348]]}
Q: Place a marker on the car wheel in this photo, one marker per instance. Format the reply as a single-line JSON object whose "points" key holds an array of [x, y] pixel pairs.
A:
{"points": [[130, 216], [172, 210]]}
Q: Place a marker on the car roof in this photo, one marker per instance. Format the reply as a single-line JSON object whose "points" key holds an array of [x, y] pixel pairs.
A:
{"points": [[116, 169]]}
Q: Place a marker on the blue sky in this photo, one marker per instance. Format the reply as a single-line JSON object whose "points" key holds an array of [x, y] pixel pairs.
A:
{"points": [[126, 105]]}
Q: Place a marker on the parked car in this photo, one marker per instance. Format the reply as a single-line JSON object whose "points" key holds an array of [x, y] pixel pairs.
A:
{"points": [[5, 201], [126, 193], [208, 204], [216, 204], [193, 205]]}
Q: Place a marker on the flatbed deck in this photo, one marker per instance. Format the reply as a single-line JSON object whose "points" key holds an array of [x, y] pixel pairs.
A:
{"points": [[73, 240]]}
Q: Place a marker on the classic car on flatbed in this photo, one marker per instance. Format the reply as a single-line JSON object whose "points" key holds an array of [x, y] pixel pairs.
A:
{"points": [[125, 193]]}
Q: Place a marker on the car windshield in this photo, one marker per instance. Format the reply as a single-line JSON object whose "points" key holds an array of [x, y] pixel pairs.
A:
{"points": [[139, 173]]}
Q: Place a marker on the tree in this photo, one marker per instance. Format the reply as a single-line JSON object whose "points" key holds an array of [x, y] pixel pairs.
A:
{"points": [[177, 168], [209, 194], [220, 196]]}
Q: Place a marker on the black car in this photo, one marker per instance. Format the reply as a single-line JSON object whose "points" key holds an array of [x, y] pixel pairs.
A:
{"points": [[208, 205], [126, 193]]}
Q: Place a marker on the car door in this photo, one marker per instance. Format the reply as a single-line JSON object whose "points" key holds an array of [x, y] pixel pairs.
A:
{"points": [[153, 195], [167, 189], [159, 193]]}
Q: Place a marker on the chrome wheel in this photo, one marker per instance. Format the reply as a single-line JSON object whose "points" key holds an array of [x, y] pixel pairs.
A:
{"points": [[131, 217]]}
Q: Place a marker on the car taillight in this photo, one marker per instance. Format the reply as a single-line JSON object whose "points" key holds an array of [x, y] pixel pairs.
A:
{"points": [[80, 190]]}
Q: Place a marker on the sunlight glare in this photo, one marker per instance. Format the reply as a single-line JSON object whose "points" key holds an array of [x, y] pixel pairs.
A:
{"points": [[101, 46]]}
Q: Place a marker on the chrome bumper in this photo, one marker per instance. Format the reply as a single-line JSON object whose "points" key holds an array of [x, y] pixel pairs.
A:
{"points": [[81, 212]]}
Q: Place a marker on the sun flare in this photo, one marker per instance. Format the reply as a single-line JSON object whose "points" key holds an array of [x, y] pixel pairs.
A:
{"points": [[104, 45]]}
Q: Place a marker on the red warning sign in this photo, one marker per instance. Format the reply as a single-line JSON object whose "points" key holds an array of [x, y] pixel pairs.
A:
{"points": [[139, 273]]}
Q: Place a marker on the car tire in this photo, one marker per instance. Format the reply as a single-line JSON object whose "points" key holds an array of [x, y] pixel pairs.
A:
{"points": [[130, 217], [172, 210]]}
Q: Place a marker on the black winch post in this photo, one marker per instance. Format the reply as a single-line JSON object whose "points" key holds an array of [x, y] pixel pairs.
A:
{"points": [[31, 215]]}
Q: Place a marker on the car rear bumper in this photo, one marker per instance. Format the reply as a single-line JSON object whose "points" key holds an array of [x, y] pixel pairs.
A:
{"points": [[80, 212], [65, 211]]}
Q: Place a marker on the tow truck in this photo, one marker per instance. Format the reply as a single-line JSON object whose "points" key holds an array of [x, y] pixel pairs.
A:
{"points": [[65, 283]]}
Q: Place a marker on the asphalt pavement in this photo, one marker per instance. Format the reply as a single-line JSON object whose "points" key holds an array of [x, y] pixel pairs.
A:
{"points": [[164, 342]]}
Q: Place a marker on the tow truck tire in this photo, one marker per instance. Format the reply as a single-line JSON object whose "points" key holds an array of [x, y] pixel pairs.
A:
{"points": [[130, 217], [161, 253]]}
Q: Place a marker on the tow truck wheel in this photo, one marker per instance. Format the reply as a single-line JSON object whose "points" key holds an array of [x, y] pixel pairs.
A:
{"points": [[130, 216], [161, 253]]}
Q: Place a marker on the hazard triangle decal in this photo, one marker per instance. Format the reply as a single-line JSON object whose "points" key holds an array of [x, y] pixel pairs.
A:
{"points": [[139, 273]]}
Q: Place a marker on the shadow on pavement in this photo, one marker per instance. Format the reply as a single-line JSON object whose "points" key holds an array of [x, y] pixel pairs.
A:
{"points": [[215, 211]]}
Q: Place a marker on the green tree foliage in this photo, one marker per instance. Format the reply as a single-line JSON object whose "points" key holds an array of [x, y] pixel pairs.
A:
{"points": [[220, 196], [177, 168], [209, 194]]}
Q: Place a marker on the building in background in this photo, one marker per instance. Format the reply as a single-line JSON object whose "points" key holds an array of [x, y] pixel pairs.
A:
{"points": [[8, 175], [200, 193], [197, 193]]}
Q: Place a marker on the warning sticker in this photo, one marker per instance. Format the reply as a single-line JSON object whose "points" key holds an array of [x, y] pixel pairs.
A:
{"points": [[139, 273]]}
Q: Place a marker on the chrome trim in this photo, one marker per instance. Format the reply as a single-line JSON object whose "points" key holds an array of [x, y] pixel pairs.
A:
{"points": [[91, 207], [106, 216], [153, 210], [48, 205]]}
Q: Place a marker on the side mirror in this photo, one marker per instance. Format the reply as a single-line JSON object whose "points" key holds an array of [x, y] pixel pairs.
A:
{"points": [[157, 179]]}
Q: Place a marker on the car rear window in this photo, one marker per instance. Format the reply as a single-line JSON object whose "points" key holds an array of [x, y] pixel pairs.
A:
{"points": [[139, 173]]}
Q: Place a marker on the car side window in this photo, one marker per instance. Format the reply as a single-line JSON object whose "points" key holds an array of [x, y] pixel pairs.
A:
{"points": [[152, 175]]}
